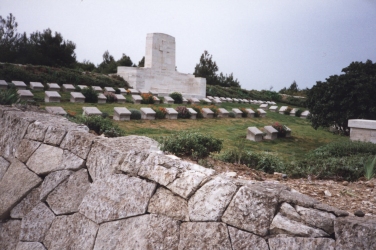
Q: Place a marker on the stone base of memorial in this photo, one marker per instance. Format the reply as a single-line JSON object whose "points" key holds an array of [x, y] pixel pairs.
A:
{"points": [[362, 130], [147, 114], [122, 114], [254, 134], [193, 113], [51, 96]]}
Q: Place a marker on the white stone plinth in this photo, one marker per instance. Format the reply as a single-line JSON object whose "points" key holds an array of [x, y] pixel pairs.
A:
{"points": [[56, 110], [97, 89], [172, 114], [77, 97], [156, 99], [273, 108], [147, 114], [19, 85], [193, 113], [82, 86], [223, 113], [168, 100], [194, 100], [251, 113], [207, 113], [293, 111], [362, 130], [53, 87], [262, 112], [109, 89], [120, 98], [264, 106], [207, 100], [87, 111], [271, 133], [3, 84], [36, 86], [51, 96], [25, 95], [282, 109], [238, 113], [102, 98], [254, 134], [122, 114], [68, 88], [305, 114], [123, 91], [136, 99]]}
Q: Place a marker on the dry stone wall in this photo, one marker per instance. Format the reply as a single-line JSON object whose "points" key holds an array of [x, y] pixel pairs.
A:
{"points": [[64, 188]]}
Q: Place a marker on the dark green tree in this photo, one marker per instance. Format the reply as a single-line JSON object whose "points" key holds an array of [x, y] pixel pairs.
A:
{"points": [[142, 62], [342, 97], [8, 38]]}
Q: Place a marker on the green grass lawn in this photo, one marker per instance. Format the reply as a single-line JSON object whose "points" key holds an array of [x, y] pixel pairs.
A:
{"points": [[231, 130]]}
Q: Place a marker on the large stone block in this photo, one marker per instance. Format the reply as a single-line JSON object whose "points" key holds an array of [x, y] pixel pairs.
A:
{"points": [[204, 235], [45, 159], [15, 184], [30, 246], [254, 134], [243, 240], [210, 201], [26, 149], [52, 181], [27, 204], [71, 232], [116, 197], [4, 164], [78, 142], [299, 243], [318, 219], [362, 130], [9, 234]]}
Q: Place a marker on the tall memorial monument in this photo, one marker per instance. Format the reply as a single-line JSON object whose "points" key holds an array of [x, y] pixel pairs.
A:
{"points": [[159, 74]]}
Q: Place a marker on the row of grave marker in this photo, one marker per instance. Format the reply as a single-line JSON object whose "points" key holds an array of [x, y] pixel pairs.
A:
{"points": [[254, 134], [282, 110]]}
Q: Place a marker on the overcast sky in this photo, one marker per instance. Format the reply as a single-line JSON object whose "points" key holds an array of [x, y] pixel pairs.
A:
{"points": [[263, 43]]}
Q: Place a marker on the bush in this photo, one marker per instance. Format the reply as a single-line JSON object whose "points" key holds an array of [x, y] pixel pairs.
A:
{"points": [[198, 110], [160, 113], [117, 91], [257, 113], [244, 112], [135, 114], [178, 98], [192, 144], [183, 112], [287, 111], [147, 98], [91, 96], [100, 125], [8, 96], [298, 113], [76, 88], [111, 97], [281, 129], [231, 114], [215, 110]]}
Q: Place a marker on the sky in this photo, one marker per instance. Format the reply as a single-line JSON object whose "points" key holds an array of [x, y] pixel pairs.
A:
{"points": [[266, 44]]}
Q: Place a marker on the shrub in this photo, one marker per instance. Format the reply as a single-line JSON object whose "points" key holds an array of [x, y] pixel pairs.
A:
{"points": [[147, 98], [257, 113], [369, 168], [298, 113], [76, 88], [287, 111], [91, 96], [117, 91], [281, 129], [183, 112], [178, 98], [192, 144], [8, 96], [160, 113], [111, 97], [135, 114], [198, 110], [231, 114], [244, 112], [100, 125], [215, 110]]}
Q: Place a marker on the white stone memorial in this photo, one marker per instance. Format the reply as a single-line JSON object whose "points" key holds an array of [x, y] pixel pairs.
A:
{"points": [[88, 111], [362, 130], [254, 134], [120, 98], [208, 101], [36, 86], [19, 85], [168, 100], [97, 89], [251, 113], [236, 100], [271, 133], [194, 100], [293, 111], [3, 84], [121, 114], [68, 88], [193, 113], [273, 108], [77, 97], [264, 106], [229, 99], [134, 91], [185, 101], [217, 101], [82, 86], [172, 114], [207, 113], [210, 97], [262, 112], [102, 98], [51, 96], [123, 91], [156, 99], [159, 74], [238, 113], [282, 109], [288, 131], [136, 99], [147, 114], [223, 99], [223, 113], [109, 89], [305, 114], [53, 87], [56, 110], [25, 95]]}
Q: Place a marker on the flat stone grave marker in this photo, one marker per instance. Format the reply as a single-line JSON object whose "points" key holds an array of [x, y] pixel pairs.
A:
{"points": [[209, 97], [193, 113], [264, 106], [109, 89], [185, 101], [153, 93], [143, 91], [97, 89], [273, 103], [288, 131], [120, 98], [36, 86], [245, 101], [273, 108], [304, 114], [3, 84], [56, 110], [172, 114], [136, 99], [168, 100], [207, 113], [194, 101], [53, 87], [254, 134], [262, 112], [147, 114], [122, 114], [271, 133], [19, 85], [362, 130], [156, 99], [250, 112], [293, 111], [217, 101], [123, 90], [238, 113], [282, 109], [229, 99], [68, 88], [235, 99], [82, 86], [223, 113], [102, 98], [223, 99], [134, 91], [51, 96], [25, 95], [88, 111], [77, 97]]}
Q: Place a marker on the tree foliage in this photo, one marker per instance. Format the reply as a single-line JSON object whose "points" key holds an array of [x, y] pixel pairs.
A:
{"points": [[109, 65], [342, 97]]}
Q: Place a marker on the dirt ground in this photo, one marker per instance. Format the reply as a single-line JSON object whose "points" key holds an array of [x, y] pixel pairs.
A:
{"points": [[348, 196]]}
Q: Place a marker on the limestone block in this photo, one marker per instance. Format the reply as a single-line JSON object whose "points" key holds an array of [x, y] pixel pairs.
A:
{"points": [[53, 86], [120, 98], [68, 88], [294, 197], [243, 240], [4, 164], [88, 111], [172, 114], [15, 184], [26, 205], [54, 135], [264, 106], [166, 203], [207, 113], [67, 197], [51, 182], [316, 218], [147, 114], [327, 208], [187, 183], [148, 231], [137, 99], [109, 89], [3, 84], [45, 159], [254, 134], [51, 96], [283, 225], [194, 100], [9, 234], [273, 108], [102, 98], [262, 112], [301, 243], [282, 109], [77, 97], [36, 86], [19, 85], [30, 246], [271, 133], [210, 201], [355, 233], [223, 113], [26, 149], [35, 224], [289, 212], [193, 113], [168, 100], [204, 235], [78, 142], [25, 95], [116, 197], [71, 232], [56, 110], [304, 114], [36, 131], [122, 114], [251, 113], [293, 111], [252, 209]]}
